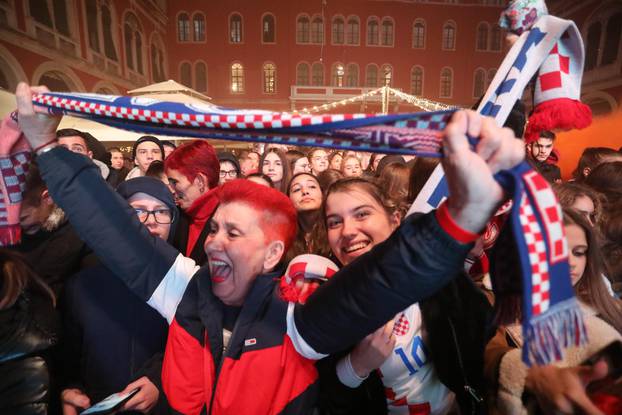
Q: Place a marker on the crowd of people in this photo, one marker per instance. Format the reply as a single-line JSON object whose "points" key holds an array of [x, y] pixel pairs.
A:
{"points": [[290, 280]]}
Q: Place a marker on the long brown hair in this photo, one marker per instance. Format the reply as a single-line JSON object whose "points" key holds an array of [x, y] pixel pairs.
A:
{"points": [[591, 288], [394, 179], [287, 171], [16, 277], [567, 193]]}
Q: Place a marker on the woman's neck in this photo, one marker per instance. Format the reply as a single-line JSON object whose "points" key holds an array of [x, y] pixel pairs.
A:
{"points": [[307, 218]]}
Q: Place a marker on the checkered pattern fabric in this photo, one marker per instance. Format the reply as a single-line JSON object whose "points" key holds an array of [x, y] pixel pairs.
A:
{"points": [[555, 80], [13, 170], [402, 325], [540, 281], [305, 268]]}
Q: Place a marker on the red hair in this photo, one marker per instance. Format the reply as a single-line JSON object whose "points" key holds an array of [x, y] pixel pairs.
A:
{"points": [[196, 157], [278, 215]]}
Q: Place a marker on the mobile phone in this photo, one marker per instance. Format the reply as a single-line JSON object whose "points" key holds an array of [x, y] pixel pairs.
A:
{"points": [[110, 404], [612, 355]]}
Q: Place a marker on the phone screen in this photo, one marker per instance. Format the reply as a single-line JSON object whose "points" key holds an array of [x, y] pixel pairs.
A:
{"points": [[110, 403]]}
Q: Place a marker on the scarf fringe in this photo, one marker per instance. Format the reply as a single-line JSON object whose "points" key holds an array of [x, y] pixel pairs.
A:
{"points": [[548, 334]]}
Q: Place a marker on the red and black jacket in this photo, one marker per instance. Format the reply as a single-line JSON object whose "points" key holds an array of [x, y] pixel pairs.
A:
{"points": [[268, 367]]}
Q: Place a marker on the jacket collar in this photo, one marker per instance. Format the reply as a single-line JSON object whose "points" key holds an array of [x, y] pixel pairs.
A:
{"points": [[203, 208]]}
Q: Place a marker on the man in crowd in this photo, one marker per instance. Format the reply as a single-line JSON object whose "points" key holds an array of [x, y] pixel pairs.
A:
{"points": [[543, 158], [249, 162], [229, 167], [117, 167], [169, 147], [78, 142], [146, 149], [318, 158]]}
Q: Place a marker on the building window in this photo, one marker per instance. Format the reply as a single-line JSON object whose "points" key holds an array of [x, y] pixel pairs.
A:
{"points": [[100, 28], [449, 36], [371, 76], [317, 30], [338, 31], [51, 13], [612, 39], [482, 36], [200, 76], [446, 83], [387, 75], [416, 80], [302, 74], [593, 44], [269, 78], [302, 29], [133, 44], [157, 61], [338, 72], [495, 39], [490, 77], [268, 30], [235, 28], [237, 78], [198, 24], [317, 74], [55, 81], [479, 83], [185, 73], [372, 32], [183, 27], [419, 34], [352, 31], [352, 75], [386, 35]]}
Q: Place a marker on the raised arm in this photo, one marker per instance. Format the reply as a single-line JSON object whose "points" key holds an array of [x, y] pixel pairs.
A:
{"points": [[151, 268], [422, 255]]}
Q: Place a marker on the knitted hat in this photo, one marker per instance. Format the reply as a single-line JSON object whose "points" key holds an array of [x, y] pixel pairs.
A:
{"points": [[309, 268], [150, 186], [147, 138], [557, 93], [231, 158], [14, 162]]}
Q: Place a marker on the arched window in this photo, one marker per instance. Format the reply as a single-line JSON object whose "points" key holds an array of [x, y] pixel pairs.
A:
{"points": [[338, 31], [133, 43], [302, 74], [495, 38], [198, 26], [449, 36], [55, 81], [183, 27], [237, 78], [446, 82], [317, 30], [269, 78], [479, 83], [387, 75], [337, 74], [352, 31], [100, 29], [52, 14], [317, 74], [235, 28], [200, 76], [416, 80], [386, 34], [157, 60], [419, 34], [593, 44], [303, 28], [372, 32], [371, 76], [185, 73], [482, 36], [612, 39], [352, 75], [268, 29]]}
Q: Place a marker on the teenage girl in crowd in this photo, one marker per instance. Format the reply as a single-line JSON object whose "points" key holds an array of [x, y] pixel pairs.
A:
{"points": [[428, 353], [274, 164]]}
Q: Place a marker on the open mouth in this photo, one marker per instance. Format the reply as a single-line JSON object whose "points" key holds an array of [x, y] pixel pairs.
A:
{"points": [[356, 248], [219, 270]]}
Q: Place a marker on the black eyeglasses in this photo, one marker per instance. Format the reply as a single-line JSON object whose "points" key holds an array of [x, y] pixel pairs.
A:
{"points": [[161, 216], [230, 173]]}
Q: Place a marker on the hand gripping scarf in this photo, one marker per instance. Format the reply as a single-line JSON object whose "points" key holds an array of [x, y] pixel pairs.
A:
{"points": [[552, 318]]}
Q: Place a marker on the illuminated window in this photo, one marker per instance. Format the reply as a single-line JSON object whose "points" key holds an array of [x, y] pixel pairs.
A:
{"points": [[198, 25], [269, 78], [235, 28], [183, 27], [237, 78]]}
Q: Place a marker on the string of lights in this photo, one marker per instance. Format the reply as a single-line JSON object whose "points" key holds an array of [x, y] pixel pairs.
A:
{"points": [[423, 103]]}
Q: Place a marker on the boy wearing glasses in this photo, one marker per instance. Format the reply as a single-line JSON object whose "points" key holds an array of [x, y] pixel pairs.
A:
{"points": [[229, 167]]}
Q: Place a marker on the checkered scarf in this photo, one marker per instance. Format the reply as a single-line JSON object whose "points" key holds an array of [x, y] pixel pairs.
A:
{"points": [[14, 162], [535, 206]]}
